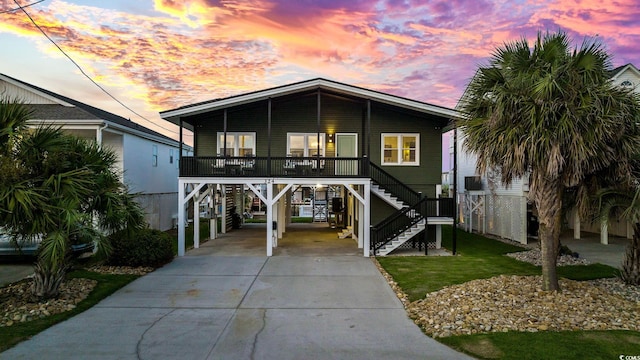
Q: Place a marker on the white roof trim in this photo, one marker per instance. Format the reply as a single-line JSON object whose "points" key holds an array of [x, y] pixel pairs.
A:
{"points": [[630, 67], [310, 85], [111, 125], [32, 90]]}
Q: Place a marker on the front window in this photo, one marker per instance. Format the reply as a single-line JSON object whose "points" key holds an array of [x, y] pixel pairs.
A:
{"points": [[238, 144], [305, 144], [401, 149]]}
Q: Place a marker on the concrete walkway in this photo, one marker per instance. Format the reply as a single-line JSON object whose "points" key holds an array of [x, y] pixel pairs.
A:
{"points": [[244, 307]]}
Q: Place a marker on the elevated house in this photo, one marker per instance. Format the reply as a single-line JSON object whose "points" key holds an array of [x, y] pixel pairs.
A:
{"points": [[488, 206], [320, 133], [147, 160]]}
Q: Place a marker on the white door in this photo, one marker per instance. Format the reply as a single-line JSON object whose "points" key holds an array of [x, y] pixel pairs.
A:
{"points": [[346, 147]]}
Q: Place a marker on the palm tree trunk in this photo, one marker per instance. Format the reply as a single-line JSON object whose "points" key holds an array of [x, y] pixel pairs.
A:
{"points": [[47, 280], [630, 271], [548, 200]]}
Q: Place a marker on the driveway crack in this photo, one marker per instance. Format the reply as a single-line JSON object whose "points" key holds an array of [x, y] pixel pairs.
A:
{"points": [[255, 338], [146, 330]]}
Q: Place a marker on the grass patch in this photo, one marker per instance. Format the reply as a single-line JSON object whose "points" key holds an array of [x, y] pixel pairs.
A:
{"points": [[548, 345], [188, 234], [107, 285], [301, 219], [478, 258]]}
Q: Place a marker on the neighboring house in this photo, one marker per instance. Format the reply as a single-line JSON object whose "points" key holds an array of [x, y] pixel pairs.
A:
{"points": [[320, 133], [147, 160], [487, 206]]}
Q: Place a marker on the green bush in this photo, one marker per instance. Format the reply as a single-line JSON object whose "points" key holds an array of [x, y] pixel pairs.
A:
{"points": [[145, 247]]}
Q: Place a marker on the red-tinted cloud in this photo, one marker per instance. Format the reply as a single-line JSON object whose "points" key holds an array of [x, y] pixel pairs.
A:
{"points": [[183, 51]]}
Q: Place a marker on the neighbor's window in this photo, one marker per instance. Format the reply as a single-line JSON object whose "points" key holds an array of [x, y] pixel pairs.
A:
{"points": [[305, 144], [154, 155], [238, 144], [401, 149]]}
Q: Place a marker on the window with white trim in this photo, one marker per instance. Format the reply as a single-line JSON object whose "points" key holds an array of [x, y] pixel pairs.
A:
{"points": [[154, 155], [305, 144], [170, 156], [238, 143], [401, 149]]}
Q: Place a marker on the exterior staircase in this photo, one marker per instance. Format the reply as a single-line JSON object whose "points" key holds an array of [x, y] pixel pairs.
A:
{"points": [[411, 217]]}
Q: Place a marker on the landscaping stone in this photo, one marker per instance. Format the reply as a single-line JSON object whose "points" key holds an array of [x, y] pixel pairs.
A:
{"points": [[518, 303], [18, 305]]}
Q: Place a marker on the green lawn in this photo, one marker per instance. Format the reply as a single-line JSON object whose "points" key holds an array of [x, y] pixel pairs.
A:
{"points": [[481, 258], [478, 258], [107, 285]]}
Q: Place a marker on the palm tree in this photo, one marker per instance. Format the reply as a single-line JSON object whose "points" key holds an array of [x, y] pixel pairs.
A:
{"points": [[625, 204], [60, 190], [549, 111]]}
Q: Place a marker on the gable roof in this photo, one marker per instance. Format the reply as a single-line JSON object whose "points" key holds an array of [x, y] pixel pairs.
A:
{"points": [[621, 69], [174, 115], [64, 108]]}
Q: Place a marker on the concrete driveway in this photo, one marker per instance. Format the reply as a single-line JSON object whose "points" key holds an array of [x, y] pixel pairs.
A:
{"points": [[244, 307]]}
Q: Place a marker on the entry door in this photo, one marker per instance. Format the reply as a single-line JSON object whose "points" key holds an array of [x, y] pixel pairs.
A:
{"points": [[346, 147]]}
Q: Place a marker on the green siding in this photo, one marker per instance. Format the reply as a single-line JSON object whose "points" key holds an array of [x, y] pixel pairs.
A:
{"points": [[422, 178], [298, 113]]}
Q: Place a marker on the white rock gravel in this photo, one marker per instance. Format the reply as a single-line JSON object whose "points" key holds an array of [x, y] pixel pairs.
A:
{"points": [[517, 303]]}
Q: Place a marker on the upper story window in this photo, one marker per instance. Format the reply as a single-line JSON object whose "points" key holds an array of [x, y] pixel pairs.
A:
{"points": [[305, 144], [401, 149], [238, 143], [626, 83], [154, 155]]}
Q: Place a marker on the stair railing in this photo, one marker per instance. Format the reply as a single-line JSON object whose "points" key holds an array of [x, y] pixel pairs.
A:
{"points": [[397, 223], [396, 187], [400, 221]]}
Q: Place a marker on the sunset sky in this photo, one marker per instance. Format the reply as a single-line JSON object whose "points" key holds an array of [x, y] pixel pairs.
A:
{"points": [[158, 55]]}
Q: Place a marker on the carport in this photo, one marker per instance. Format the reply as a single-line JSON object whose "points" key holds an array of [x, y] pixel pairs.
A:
{"points": [[277, 191]]}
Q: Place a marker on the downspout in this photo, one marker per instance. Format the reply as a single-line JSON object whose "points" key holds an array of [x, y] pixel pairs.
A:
{"points": [[99, 134]]}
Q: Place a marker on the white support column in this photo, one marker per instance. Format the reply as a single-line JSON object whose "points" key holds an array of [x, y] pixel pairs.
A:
{"points": [[196, 219], [367, 219], [438, 236], [223, 212], [523, 224], [361, 228], [181, 214], [576, 225], [269, 219], [213, 222], [604, 232], [281, 217]]}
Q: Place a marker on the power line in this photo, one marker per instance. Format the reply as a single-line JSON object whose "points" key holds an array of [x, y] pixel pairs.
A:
{"points": [[86, 75], [18, 8]]}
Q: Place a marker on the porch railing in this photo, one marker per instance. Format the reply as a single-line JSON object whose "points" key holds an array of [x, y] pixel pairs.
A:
{"points": [[251, 166], [400, 221]]}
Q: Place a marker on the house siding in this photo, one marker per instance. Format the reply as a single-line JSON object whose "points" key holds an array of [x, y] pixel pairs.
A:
{"points": [[421, 178]]}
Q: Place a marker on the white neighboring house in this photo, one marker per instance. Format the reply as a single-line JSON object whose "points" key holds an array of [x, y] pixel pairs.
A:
{"points": [[487, 206], [147, 160]]}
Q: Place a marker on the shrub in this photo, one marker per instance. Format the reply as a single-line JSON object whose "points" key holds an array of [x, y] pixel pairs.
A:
{"points": [[145, 247]]}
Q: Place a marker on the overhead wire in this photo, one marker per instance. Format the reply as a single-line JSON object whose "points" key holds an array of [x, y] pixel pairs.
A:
{"points": [[24, 6], [20, 7]]}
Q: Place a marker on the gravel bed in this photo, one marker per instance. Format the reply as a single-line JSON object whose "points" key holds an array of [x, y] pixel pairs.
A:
{"points": [[517, 303], [18, 305], [535, 257]]}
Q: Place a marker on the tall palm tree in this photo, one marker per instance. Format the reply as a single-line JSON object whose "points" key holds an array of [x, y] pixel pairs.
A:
{"points": [[624, 203], [60, 190], [550, 112]]}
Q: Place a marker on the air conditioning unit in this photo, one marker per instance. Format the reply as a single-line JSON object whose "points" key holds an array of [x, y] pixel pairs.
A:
{"points": [[472, 183]]}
